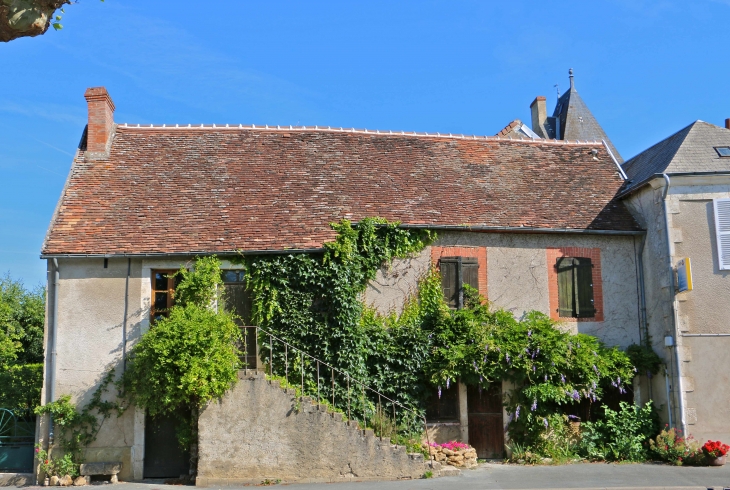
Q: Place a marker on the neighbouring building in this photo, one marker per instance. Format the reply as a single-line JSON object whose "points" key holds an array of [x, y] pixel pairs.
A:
{"points": [[679, 190]]}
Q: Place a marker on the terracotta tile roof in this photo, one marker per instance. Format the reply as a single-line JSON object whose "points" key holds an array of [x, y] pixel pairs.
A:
{"points": [[186, 190]]}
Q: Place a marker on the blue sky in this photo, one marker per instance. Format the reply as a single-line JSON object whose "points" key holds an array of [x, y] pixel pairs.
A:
{"points": [[646, 68]]}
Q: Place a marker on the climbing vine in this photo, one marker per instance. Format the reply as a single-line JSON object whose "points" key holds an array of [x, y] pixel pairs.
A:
{"points": [[315, 303], [75, 429]]}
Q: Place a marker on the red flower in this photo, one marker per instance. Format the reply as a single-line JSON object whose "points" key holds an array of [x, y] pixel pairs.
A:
{"points": [[715, 448]]}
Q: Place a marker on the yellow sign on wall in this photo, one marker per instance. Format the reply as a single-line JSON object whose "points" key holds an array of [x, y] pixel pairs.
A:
{"points": [[684, 275]]}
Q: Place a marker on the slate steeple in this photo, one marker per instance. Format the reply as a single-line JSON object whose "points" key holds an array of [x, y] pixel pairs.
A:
{"points": [[572, 120]]}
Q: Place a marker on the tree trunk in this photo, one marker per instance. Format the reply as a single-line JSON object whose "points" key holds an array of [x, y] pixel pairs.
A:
{"points": [[26, 18]]}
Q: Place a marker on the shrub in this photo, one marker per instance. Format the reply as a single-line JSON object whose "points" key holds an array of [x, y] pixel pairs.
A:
{"points": [[620, 436], [670, 446]]}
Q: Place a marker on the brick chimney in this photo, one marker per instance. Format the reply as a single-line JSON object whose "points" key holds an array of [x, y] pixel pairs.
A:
{"points": [[101, 119], [727, 123], [539, 115]]}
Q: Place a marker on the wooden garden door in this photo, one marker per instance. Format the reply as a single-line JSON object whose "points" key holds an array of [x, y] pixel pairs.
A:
{"points": [[486, 432]]}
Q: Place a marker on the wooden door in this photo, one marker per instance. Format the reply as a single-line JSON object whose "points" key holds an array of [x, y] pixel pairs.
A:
{"points": [[486, 432], [163, 455]]}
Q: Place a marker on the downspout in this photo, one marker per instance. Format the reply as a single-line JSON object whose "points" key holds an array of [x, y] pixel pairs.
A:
{"points": [[53, 327], [677, 359], [642, 303], [126, 309]]}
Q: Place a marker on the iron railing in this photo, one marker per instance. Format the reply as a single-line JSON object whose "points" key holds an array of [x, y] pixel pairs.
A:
{"points": [[290, 356]]}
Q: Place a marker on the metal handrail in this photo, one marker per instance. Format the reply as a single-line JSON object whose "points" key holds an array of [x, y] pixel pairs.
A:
{"points": [[333, 369]]}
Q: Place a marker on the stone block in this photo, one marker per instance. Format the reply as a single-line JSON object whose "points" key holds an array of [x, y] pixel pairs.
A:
{"points": [[105, 468], [450, 471]]}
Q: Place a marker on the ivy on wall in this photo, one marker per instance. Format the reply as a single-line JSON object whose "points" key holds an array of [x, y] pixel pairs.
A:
{"points": [[315, 303]]}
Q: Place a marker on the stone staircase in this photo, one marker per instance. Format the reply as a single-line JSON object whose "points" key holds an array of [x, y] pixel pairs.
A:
{"points": [[259, 432]]}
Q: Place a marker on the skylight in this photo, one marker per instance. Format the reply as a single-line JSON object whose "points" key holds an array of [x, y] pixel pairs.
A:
{"points": [[723, 151]]}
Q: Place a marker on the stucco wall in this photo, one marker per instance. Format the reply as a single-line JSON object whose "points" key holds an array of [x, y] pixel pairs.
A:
{"points": [[517, 278], [258, 431], [91, 318], [705, 310]]}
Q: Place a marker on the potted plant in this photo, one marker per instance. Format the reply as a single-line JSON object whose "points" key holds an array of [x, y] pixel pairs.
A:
{"points": [[715, 452]]}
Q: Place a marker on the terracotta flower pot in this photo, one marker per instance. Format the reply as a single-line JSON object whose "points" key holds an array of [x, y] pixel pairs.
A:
{"points": [[718, 461]]}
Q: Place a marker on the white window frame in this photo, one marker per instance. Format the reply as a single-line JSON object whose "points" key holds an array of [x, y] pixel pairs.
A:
{"points": [[721, 207]]}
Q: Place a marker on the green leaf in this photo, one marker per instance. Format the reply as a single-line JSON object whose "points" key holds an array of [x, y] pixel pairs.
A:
{"points": [[57, 26]]}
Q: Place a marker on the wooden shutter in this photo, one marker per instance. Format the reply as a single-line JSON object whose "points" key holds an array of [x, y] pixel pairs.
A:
{"points": [[470, 272], [469, 275], [449, 281], [565, 286], [722, 231], [583, 276]]}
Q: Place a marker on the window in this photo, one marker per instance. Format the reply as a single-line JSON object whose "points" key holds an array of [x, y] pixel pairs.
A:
{"points": [[723, 151], [722, 231], [238, 301], [164, 283], [455, 272], [444, 408], [575, 287]]}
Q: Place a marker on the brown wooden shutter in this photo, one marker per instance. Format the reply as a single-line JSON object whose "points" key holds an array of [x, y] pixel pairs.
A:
{"points": [[565, 286], [449, 281], [470, 272], [583, 276]]}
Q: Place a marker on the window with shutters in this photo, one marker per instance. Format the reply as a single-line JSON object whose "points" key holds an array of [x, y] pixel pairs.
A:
{"points": [[455, 272], [722, 231], [575, 287]]}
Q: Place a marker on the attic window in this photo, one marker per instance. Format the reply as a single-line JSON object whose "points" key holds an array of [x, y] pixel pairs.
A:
{"points": [[723, 151]]}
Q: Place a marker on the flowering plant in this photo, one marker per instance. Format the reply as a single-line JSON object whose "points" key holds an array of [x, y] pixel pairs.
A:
{"points": [[452, 445], [670, 446], [715, 449]]}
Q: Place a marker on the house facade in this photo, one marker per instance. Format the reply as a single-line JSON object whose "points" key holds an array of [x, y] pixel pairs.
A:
{"points": [[532, 223]]}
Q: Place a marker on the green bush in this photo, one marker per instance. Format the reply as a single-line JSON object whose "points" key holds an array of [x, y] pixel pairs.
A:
{"points": [[620, 436], [189, 357], [20, 386]]}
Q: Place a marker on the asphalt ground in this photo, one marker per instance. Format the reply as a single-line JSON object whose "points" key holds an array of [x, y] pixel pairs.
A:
{"points": [[492, 476]]}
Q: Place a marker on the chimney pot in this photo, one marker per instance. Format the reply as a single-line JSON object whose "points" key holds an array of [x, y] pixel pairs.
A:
{"points": [[727, 123], [538, 110], [101, 119]]}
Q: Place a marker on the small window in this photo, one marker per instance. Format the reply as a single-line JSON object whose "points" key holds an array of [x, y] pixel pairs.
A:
{"points": [[164, 283], [722, 231], [723, 151], [455, 272], [443, 408], [575, 287]]}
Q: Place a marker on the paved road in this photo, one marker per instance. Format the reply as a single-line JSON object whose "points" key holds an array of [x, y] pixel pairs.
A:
{"points": [[490, 476]]}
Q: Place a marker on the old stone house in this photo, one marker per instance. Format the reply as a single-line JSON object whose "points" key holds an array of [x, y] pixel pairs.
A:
{"points": [[141, 201]]}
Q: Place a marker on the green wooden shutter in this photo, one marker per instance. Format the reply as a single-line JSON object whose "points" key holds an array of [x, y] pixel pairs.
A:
{"points": [[470, 272], [565, 286], [584, 306], [449, 282]]}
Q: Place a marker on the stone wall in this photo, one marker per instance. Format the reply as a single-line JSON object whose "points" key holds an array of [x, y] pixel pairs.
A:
{"points": [[259, 431]]}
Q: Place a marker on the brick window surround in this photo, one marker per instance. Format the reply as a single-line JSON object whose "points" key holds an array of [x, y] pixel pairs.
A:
{"points": [[480, 253], [553, 254]]}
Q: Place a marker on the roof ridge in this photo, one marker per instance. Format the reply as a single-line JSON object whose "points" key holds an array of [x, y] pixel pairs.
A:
{"points": [[420, 134]]}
